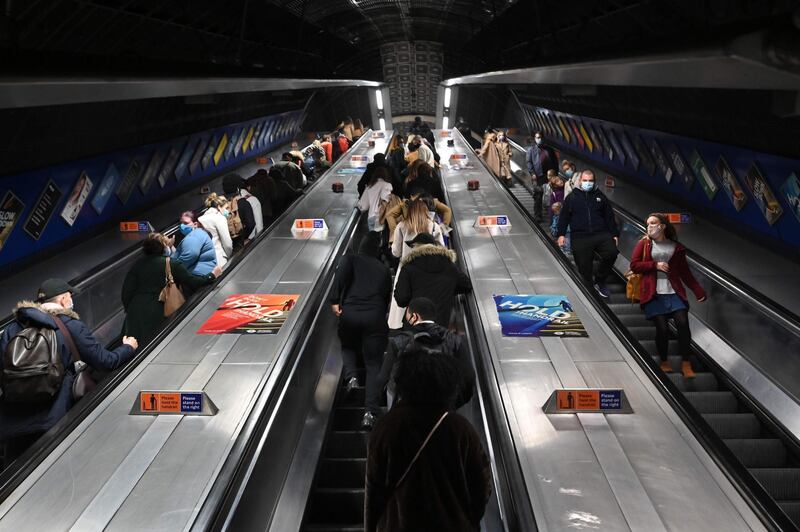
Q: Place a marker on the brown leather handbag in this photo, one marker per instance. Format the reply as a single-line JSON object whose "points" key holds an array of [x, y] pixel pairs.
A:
{"points": [[83, 383], [633, 287], [171, 294]]}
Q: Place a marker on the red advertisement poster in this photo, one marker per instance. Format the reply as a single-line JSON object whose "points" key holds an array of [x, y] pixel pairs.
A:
{"points": [[250, 314]]}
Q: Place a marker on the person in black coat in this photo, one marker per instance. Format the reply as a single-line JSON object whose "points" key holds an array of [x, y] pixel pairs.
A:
{"points": [[366, 177], [359, 297], [420, 314], [429, 270], [232, 185]]}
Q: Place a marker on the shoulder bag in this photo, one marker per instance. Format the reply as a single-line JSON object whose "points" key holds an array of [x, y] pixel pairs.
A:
{"points": [[170, 295], [633, 288], [419, 451], [83, 383]]}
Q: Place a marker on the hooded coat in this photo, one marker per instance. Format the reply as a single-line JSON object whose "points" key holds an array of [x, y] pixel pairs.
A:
{"points": [[20, 420], [429, 271]]}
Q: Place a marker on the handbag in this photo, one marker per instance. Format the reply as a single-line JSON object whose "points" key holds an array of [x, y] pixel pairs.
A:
{"points": [[419, 451], [171, 294], [83, 383], [633, 288]]}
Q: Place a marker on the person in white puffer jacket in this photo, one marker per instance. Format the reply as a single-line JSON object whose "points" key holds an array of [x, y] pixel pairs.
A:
{"points": [[215, 221]]}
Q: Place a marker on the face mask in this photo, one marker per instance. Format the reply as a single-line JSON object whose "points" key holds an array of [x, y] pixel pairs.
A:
{"points": [[654, 230], [569, 173], [538, 141], [586, 186], [226, 213], [186, 229]]}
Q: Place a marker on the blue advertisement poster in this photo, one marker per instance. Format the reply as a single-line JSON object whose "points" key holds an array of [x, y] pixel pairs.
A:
{"points": [[791, 189], [107, 185], [538, 315], [183, 162]]}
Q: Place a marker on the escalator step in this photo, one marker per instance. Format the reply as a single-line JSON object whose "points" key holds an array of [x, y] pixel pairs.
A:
{"points": [[342, 473], [675, 361], [650, 347], [635, 320], [782, 484], [347, 417], [355, 398], [723, 402], [346, 444], [328, 527], [627, 307], [336, 506], [743, 425], [763, 452], [702, 381], [792, 509], [643, 332]]}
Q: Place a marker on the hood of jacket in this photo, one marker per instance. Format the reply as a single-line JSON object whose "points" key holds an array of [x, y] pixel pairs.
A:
{"points": [[429, 257], [33, 313]]}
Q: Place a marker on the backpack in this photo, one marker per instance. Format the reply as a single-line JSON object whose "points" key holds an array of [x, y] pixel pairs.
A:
{"points": [[424, 342], [32, 366], [235, 226]]}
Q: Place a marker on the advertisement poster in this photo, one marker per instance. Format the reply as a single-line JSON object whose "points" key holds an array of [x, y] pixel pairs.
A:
{"points": [[151, 171], [198, 155], [681, 169], [268, 134], [128, 183], [256, 135], [599, 146], [707, 182], [108, 184], [208, 156], [10, 213], [539, 315], [576, 133], [644, 155], [247, 139], [231, 145], [77, 198], [730, 184], [585, 135], [223, 143], [43, 210], [550, 125], [564, 130], [791, 190], [661, 160], [767, 202], [617, 149], [183, 163], [169, 164], [629, 151], [237, 148], [250, 314]]}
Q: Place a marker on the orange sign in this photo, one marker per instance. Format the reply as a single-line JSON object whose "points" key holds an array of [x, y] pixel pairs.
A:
{"points": [[679, 217], [499, 220], [303, 224], [610, 182], [160, 402], [129, 227], [578, 399]]}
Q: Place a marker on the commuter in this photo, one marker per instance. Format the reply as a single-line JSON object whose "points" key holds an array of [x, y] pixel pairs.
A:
{"points": [[241, 221], [284, 192], [661, 260], [505, 152], [346, 127], [420, 177], [379, 161], [144, 313], [196, 251], [258, 217], [358, 129], [556, 184], [375, 197], [570, 176], [420, 150], [25, 417], [495, 160], [416, 221], [399, 211], [298, 159], [539, 159], [263, 186], [397, 154], [359, 296], [425, 332], [344, 142], [327, 147], [215, 221], [590, 218], [290, 172], [555, 212], [426, 467], [429, 270], [422, 129]]}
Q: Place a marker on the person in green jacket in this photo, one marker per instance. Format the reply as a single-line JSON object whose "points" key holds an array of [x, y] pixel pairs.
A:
{"points": [[144, 282]]}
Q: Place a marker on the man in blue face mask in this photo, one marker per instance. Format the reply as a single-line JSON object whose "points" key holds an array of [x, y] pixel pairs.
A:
{"points": [[589, 216], [539, 159]]}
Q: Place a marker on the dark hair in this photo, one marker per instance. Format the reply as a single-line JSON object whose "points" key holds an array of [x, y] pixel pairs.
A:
{"points": [[380, 172], [189, 214], [231, 183], [539, 132], [370, 245], [423, 307], [153, 244], [286, 156], [669, 230], [430, 379]]}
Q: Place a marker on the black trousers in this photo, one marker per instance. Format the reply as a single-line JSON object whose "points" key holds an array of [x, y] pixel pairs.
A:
{"points": [[584, 248], [538, 197], [364, 332]]}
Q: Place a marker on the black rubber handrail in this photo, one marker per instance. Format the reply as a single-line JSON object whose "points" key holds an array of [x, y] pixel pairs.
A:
{"points": [[12, 476], [762, 504]]}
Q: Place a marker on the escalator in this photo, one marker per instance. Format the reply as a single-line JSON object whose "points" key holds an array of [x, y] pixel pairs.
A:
{"points": [[768, 452]]}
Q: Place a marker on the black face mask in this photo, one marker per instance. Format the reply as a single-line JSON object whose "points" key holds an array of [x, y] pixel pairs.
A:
{"points": [[413, 147]]}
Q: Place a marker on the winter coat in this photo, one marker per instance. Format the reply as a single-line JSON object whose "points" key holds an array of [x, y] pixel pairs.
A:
{"points": [[556, 196], [429, 271], [258, 218], [430, 185], [361, 283], [586, 214], [397, 159], [292, 174], [371, 200], [396, 213], [20, 420], [547, 161], [453, 344], [679, 272], [448, 486], [196, 252], [215, 223], [327, 147], [490, 153], [144, 312], [367, 176]]}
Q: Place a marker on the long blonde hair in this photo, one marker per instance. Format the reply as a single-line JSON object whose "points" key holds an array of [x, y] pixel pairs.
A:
{"points": [[417, 218], [215, 200]]}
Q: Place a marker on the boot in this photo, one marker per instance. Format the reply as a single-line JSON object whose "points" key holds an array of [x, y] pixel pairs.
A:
{"points": [[665, 366], [687, 370]]}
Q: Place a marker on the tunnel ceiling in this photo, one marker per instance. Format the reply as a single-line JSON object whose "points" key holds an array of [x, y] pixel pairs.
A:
{"points": [[322, 38]]}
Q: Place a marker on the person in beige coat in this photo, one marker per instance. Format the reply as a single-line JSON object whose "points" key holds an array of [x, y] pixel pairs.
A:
{"points": [[497, 156]]}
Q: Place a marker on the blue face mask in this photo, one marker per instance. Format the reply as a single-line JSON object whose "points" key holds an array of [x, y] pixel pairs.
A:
{"points": [[586, 186], [186, 229], [569, 173]]}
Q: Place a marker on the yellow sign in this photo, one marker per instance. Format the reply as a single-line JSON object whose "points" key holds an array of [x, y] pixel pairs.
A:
{"points": [[586, 138], [247, 140], [221, 148]]}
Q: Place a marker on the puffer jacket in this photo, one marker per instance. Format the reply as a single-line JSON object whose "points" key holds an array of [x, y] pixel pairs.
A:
{"points": [[196, 252], [430, 271], [20, 420]]}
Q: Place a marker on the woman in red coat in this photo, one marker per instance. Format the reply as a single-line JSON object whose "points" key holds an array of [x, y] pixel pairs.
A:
{"points": [[662, 262]]}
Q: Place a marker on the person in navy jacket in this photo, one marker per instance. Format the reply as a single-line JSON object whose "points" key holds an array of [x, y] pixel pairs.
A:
{"points": [[539, 159], [589, 216]]}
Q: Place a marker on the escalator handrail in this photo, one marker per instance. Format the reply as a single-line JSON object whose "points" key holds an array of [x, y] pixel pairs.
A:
{"points": [[755, 299], [754, 494]]}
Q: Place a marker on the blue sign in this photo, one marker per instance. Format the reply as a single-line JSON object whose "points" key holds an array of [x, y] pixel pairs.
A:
{"points": [[108, 184], [502, 220], [538, 315], [610, 399], [319, 223], [191, 402]]}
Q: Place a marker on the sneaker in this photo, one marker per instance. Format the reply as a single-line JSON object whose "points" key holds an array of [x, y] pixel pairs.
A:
{"points": [[686, 369], [368, 421], [665, 366], [352, 384], [602, 290]]}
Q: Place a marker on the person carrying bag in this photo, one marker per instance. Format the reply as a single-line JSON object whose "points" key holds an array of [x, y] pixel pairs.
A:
{"points": [[171, 295]]}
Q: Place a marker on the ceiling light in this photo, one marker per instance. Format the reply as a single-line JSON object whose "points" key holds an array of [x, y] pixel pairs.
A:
{"points": [[379, 98], [447, 97]]}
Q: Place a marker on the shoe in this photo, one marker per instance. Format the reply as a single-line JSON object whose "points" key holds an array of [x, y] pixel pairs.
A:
{"points": [[687, 370], [368, 421], [665, 366], [602, 290], [352, 384]]}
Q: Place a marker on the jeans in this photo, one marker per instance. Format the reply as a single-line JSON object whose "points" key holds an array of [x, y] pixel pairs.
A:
{"points": [[364, 332], [584, 248]]}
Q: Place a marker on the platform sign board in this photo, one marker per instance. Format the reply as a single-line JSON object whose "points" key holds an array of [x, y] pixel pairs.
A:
{"points": [[493, 220], [174, 402], [250, 314], [77, 198], [582, 400], [10, 213], [43, 210], [309, 224], [538, 316]]}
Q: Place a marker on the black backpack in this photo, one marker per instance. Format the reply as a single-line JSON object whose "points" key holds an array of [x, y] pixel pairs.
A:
{"points": [[425, 343], [32, 366]]}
